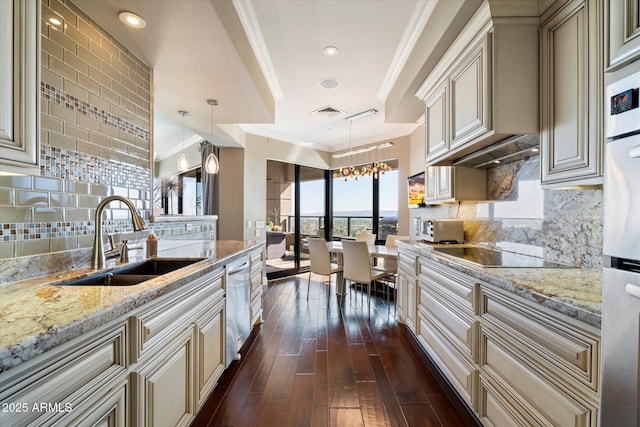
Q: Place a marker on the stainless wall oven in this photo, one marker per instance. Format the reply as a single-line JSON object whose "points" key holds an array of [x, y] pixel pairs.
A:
{"points": [[620, 378]]}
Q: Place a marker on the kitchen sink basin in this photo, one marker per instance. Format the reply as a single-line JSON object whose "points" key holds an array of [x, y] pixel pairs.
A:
{"points": [[134, 274], [156, 267]]}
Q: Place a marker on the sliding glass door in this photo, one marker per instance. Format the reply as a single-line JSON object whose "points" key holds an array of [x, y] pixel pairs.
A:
{"points": [[295, 209]]}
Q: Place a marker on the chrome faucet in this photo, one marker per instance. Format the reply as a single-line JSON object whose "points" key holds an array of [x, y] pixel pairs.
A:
{"points": [[97, 261]]}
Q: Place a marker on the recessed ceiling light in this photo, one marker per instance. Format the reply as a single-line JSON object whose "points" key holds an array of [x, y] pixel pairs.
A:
{"points": [[330, 51], [329, 83], [132, 20], [55, 21]]}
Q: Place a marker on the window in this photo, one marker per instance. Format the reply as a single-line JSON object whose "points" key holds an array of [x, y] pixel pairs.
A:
{"points": [[357, 202]]}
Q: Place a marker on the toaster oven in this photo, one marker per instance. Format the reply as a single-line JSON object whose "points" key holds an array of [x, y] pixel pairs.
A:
{"points": [[443, 231]]}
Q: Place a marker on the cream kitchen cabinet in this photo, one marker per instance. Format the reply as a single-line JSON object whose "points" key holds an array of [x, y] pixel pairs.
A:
{"points": [[155, 365], [75, 377], [622, 32], [19, 86], [512, 361], [406, 287], [484, 88], [572, 94], [448, 325], [180, 352], [163, 392], [546, 363], [453, 183]]}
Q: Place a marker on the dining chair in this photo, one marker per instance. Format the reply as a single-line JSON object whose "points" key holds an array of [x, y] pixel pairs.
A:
{"points": [[357, 265], [320, 260], [366, 237], [392, 264]]}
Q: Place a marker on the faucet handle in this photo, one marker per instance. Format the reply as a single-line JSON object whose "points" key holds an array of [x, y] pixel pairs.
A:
{"points": [[110, 238], [124, 251]]}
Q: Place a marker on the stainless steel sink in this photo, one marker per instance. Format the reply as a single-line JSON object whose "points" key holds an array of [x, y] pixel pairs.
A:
{"points": [[133, 274]]}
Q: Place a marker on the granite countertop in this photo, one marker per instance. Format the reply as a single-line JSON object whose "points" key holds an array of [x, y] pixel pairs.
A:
{"points": [[574, 292], [37, 314]]}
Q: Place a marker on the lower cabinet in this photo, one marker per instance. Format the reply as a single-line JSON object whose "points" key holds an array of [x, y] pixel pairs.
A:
{"points": [[406, 287], [163, 392], [513, 362], [154, 366]]}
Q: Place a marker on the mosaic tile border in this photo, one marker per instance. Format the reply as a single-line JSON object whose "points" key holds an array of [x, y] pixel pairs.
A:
{"points": [[66, 164], [45, 230], [74, 104]]}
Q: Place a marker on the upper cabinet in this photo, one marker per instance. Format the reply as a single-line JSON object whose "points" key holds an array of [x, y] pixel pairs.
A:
{"points": [[19, 83], [623, 32], [485, 87], [572, 94]]}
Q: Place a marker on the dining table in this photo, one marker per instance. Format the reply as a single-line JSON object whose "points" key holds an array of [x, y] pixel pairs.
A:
{"points": [[375, 251]]}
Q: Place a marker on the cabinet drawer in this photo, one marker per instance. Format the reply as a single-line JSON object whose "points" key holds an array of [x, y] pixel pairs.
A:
{"points": [[63, 376], [456, 287], [170, 313], [497, 410], [256, 283], [256, 310], [451, 322], [548, 339], [544, 400], [458, 371], [407, 262]]}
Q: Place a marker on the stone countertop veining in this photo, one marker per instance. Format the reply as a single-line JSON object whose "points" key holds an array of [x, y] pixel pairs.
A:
{"points": [[36, 314], [574, 292]]}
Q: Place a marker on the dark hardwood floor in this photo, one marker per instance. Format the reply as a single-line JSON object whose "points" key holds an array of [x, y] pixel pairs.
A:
{"points": [[317, 363]]}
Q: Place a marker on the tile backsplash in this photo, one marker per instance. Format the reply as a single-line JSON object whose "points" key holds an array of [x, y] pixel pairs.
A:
{"points": [[94, 140]]}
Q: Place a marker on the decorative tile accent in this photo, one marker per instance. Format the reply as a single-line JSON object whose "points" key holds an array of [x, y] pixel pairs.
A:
{"points": [[62, 163], [66, 100]]}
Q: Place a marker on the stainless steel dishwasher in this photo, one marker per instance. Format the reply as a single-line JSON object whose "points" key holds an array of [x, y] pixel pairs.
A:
{"points": [[238, 282]]}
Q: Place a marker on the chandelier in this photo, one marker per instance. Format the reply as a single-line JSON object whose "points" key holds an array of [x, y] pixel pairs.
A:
{"points": [[355, 172], [369, 169]]}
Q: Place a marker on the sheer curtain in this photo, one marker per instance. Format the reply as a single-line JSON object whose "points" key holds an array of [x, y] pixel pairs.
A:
{"points": [[209, 181]]}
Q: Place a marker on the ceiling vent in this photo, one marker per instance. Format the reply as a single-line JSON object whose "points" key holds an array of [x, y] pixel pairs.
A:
{"points": [[328, 112]]}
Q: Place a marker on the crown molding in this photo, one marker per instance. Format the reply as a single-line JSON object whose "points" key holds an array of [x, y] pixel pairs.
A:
{"points": [[421, 13], [247, 16]]}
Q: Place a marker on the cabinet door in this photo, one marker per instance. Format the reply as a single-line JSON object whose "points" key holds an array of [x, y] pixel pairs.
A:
{"points": [[469, 84], [431, 184], [110, 411], [19, 84], [572, 114], [435, 121], [444, 189], [411, 303], [623, 32], [401, 296], [164, 385], [543, 400], [210, 351]]}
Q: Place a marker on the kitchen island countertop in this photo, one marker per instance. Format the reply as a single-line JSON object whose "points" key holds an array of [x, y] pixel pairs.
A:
{"points": [[574, 292], [38, 314]]}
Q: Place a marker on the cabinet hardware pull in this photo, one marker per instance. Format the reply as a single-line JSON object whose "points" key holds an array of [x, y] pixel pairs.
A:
{"points": [[632, 290]]}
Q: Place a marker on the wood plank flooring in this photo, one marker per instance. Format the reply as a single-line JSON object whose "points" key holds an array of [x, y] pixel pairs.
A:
{"points": [[322, 363]]}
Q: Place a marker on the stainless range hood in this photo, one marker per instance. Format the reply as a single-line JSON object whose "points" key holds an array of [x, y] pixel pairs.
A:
{"points": [[514, 148]]}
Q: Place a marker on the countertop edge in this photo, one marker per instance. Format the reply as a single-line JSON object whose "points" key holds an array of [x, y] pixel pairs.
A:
{"points": [[493, 277], [31, 346]]}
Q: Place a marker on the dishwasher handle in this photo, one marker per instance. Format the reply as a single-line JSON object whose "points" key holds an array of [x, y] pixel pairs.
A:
{"points": [[236, 270], [632, 290]]}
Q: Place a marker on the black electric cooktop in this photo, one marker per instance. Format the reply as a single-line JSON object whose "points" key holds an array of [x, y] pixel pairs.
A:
{"points": [[491, 258]]}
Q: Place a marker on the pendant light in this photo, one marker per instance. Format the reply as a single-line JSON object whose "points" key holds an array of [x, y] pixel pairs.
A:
{"points": [[212, 165], [183, 161]]}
